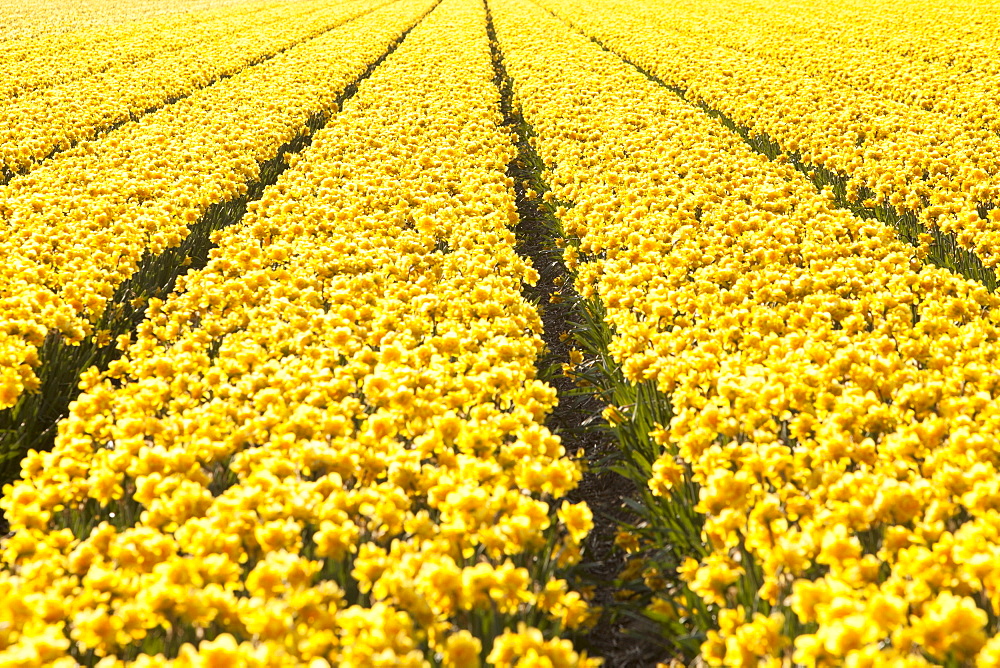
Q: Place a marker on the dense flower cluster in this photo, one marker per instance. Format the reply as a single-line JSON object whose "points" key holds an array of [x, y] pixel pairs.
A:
{"points": [[73, 230], [58, 117], [31, 22], [834, 400], [327, 446], [814, 43], [928, 164], [31, 64], [960, 34]]}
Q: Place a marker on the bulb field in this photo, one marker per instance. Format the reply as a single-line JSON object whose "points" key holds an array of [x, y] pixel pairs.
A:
{"points": [[513, 333]]}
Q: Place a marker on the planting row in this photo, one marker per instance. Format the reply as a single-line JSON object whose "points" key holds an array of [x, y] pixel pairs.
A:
{"points": [[821, 485], [76, 229], [327, 446], [960, 34], [45, 19], [40, 123], [887, 154], [31, 64], [795, 37]]}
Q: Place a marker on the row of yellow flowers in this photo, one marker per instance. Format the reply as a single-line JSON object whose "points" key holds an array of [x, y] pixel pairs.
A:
{"points": [[32, 21], [326, 447], [793, 36], [832, 403], [30, 64], [72, 231], [890, 154], [966, 32], [55, 118]]}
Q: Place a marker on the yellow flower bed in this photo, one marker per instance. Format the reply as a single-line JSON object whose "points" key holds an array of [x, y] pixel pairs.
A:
{"points": [[833, 400], [965, 34], [30, 64], [56, 118], [820, 45], [29, 22], [327, 447], [913, 161], [75, 229]]}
